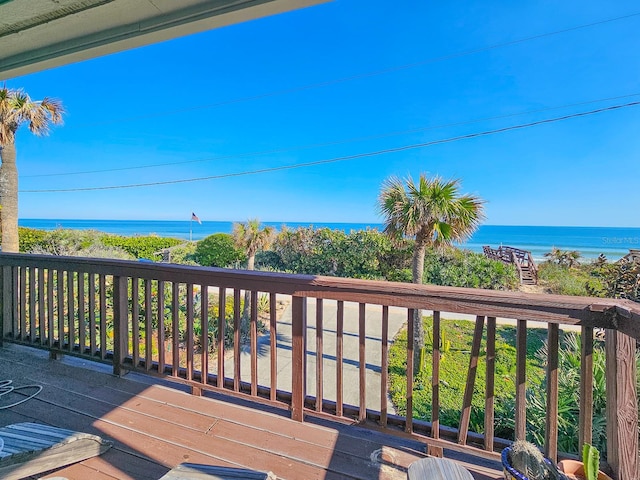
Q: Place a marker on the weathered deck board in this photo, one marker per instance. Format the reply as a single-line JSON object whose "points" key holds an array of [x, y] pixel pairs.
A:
{"points": [[154, 428]]}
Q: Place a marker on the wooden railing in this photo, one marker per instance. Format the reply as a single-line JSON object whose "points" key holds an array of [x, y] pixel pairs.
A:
{"points": [[156, 319], [522, 259]]}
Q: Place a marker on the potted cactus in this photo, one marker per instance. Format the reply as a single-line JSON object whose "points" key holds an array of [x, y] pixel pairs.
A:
{"points": [[588, 469], [524, 461]]}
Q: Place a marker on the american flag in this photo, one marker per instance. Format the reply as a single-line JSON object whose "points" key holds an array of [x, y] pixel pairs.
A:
{"points": [[195, 218]]}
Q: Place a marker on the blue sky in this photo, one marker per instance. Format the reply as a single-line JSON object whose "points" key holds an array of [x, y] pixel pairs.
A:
{"points": [[189, 100]]}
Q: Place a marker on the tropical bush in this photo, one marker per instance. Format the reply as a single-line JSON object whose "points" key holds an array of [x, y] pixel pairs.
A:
{"points": [[218, 250], [597, 279], [322, 251], [63, 241], [183, 254], [462, 268], [619, 280], [29, 238], [140, 247]]}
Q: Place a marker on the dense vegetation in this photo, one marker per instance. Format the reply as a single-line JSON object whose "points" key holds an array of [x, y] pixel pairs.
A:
{"points": [[91, 243], [597, 278]]}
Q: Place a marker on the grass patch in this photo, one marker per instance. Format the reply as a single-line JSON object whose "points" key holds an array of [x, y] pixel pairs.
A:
{"points": [[454, 364]]}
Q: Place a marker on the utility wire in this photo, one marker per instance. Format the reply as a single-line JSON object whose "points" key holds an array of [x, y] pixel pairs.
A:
{"points": [[326, 144], [360, 75], [345, 158]]}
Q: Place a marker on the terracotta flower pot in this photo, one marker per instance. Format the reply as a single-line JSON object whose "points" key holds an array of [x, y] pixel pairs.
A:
{"points": [[575, 470]]}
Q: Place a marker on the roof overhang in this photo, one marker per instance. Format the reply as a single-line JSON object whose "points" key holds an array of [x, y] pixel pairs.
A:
{"points": [[40, 34]]}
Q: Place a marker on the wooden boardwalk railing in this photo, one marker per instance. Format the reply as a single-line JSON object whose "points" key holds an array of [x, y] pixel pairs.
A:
{"points": [[522, 259], [165, 319]]}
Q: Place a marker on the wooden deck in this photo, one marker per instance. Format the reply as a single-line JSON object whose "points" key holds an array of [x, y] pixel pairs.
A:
{"points": [[156, 425]]}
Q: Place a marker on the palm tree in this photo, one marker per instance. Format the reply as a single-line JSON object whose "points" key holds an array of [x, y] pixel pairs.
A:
{"points": [[251, 238], [434, 214], [16, 109]]}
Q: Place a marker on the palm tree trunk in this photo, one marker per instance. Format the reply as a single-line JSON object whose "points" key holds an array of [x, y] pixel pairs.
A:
{"points": [[9, 198], [418, 327]]}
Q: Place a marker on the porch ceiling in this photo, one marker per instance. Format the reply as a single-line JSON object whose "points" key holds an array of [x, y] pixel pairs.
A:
{"points": [[40, 34]]}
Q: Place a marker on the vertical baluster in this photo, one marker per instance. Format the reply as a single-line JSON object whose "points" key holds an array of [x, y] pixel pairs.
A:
{"points": [[32, 305], [254, 343], [319, 355], [204, 326], [148, 326], [8, 299], [161, 328], [50, 311], [82, 326], [189, 332], [551, 426], [411, 319], [362, 362], [489, 396], [222, 326], [135, 321], [92, 314], [15, 302], [384, 366], [175, 328], [236, 339], [273, 342], [120, 323], [41, 307], [23, 303], [33, 327], [471, 381], [102, 282], [521, 380], [585, 433], [60, 285], [298, 354], [339, 357], [435, 386], [71, 320]]}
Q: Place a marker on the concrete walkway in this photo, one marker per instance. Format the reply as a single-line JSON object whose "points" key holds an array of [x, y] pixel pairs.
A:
{"points": [[373, 348]]}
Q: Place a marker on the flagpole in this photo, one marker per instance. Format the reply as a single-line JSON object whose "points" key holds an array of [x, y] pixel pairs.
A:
{"points": [[191, 229]]}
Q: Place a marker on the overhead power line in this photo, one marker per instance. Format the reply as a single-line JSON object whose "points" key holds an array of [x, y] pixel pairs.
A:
{"points": [[360, 75], [344, 158], [327, 144]]}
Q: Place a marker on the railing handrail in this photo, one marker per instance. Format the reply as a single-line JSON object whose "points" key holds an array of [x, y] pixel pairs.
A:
{"points": [[620, 314], [624, 315]]}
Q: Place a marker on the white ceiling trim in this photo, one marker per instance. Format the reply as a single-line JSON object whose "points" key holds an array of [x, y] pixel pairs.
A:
{"points": [[78, 31]]}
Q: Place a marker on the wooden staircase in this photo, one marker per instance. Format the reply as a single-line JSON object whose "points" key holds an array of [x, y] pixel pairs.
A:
{"points": [[522, 259]]}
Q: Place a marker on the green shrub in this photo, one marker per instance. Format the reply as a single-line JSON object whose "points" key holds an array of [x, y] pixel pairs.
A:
{"points": [[462, 268], [30, 238], [65, 242], [218, 250], [400, 275], [183, 254], [365, 254], [101, 251], [140, 247], [562, 280]]}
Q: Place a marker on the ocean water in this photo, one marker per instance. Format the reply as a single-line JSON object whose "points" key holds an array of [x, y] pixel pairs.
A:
{"points": [[614, 242]]}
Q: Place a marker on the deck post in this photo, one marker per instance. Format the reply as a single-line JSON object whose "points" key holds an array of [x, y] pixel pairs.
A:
{"points": [[120, 323], [298, 354], [622, 407]]}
